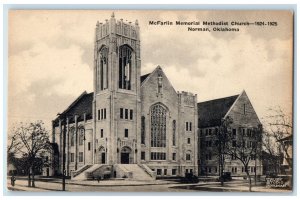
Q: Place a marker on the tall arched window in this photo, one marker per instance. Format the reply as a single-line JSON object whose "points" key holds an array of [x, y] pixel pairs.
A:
{"points": [[102, 69], [143, 130], [158, 126], [125, 67], [174, 133]]}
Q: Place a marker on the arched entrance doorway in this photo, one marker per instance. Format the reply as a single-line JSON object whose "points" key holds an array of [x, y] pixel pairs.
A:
{"points": [[126, 155], [101, 155]]}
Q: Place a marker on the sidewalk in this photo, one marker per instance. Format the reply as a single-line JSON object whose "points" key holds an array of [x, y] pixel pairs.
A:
{"points": [[231, 187], [55, 185]]}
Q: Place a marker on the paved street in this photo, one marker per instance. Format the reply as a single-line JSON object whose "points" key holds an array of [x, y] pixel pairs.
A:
{"points": [[138, 186]]}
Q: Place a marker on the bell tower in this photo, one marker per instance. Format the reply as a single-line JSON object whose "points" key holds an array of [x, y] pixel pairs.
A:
{"points": [[116, 105]]}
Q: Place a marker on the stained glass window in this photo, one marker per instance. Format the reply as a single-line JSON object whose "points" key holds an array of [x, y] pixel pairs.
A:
{"points": [[158, 126]]}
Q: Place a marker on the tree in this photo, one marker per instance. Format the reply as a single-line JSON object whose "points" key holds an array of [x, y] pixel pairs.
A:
{"points": [[31, 141], [245, 147], [278, 127], [223, 136]]}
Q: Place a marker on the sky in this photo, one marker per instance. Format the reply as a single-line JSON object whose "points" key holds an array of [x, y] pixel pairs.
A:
{"points": [[51, 57]]}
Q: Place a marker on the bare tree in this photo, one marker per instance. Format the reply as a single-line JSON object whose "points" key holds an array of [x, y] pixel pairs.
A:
{"points": [[246, 147], [278, 127], [223, 136], [31, 141]]}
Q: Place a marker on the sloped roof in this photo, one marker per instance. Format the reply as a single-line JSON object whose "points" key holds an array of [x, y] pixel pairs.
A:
{"points": [[210, 113], [144, 77], [83, 104]]}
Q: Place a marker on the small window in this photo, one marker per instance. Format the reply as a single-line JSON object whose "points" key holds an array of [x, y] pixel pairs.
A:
{"points": [[72, 157], [190, 126], [80, 156], [188, 156], [209, 131], [234, 133], [142, 155], [249, 134], [189, 140], [104, 113], [186, 126], [101, 113], [89, 146], [121, 113], [208, 143], [174, 156], [244, 109], [165, 172], [174, 172], [158, 172], [126, 113], [208, 156], [216, 130], [131, 114], [126, 133], [98, 114], [101, 134]]}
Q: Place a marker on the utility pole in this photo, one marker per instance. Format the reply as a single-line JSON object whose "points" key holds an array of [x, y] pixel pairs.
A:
{"points": [[64, 152], [64, 156]]}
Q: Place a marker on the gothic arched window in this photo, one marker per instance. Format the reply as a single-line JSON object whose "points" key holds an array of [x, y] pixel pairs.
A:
{"points": [[158, 126], [102, 69], [125, 67]]}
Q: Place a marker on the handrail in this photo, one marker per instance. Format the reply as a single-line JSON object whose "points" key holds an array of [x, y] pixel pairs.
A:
{"points": [[147, 170], [76, 173]]}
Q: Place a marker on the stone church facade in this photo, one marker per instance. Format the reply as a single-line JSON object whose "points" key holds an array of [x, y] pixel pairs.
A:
{"points": [[129, 119]]}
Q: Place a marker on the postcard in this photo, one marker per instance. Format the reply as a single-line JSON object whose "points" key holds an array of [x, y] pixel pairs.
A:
{"points": [[150, 100]]}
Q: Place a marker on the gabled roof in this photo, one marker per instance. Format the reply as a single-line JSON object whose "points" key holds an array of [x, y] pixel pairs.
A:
{"points": [[144, 77], [210, 113], [83, 104]]}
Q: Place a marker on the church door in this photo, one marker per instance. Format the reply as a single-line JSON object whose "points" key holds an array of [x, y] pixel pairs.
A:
{"points": [[103, 158], [126, 155], [124, 158]]}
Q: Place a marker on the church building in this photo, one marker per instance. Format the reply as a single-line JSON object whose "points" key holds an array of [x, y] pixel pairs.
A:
{"points": [[131, 124]]}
